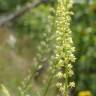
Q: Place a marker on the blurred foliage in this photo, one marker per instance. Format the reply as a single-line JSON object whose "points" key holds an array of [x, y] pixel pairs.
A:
{"points": [[29, 29], [84, 34], [9, 5]]}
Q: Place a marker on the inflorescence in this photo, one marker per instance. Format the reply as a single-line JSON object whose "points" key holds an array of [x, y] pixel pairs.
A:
{"points": [[64, 48]]}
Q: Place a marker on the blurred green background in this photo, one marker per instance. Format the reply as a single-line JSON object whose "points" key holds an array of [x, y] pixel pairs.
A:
{"points": [[20, 38]]}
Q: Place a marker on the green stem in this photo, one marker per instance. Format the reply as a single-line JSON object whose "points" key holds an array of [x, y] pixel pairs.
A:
{"points": [[48, 85]]}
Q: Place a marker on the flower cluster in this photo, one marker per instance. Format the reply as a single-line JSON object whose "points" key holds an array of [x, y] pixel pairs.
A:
{"points": [[64, 48], [44, 56], [45, 49]]}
